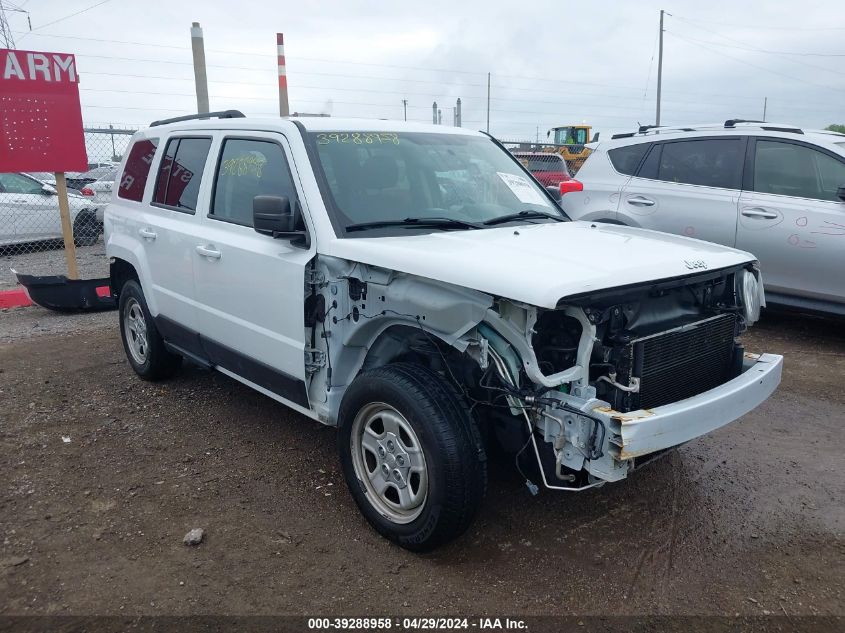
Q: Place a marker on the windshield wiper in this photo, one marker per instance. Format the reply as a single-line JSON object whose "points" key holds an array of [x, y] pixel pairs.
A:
{"points": [[428, 223], [524, 215]]}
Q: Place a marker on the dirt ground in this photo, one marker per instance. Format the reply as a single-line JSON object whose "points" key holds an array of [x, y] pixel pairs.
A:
{"points": [[103, 474]]}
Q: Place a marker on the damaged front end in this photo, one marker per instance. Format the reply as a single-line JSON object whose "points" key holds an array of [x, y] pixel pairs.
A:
{"points": [[595, 386], [611, 379]]}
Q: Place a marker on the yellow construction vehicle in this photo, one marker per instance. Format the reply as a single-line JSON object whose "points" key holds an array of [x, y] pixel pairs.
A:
{"points": [[571, 140]]}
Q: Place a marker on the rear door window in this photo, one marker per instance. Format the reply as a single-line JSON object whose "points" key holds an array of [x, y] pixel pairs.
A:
{"points": [[180, 173], [249, 168], [790, 169], [137, 169], [626, 159], [705, 162]]}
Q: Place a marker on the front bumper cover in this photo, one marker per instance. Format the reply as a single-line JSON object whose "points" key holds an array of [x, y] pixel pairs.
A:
{"points": [[646, 431]]}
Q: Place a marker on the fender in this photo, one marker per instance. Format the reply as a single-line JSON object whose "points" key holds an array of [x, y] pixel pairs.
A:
{"points": [[121, 245]]}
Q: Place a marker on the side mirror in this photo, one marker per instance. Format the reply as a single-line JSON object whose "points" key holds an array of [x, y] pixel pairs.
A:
{"points": [[840, 193], [48, 190], [274, 216], [554, 192]]}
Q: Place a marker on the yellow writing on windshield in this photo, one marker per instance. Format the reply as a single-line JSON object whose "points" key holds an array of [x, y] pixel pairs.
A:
{"points": [[357, 138]]}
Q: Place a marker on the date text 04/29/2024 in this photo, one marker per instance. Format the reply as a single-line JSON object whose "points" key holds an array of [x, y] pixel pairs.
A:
{"points": [[411, 623]]}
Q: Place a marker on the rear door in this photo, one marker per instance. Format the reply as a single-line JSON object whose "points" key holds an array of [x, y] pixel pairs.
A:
{"points": [[250, 286], [791, 219], [688, 187], [166, 230]]}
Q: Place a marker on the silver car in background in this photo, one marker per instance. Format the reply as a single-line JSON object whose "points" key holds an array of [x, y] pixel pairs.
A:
{"points": [[774, 190]]}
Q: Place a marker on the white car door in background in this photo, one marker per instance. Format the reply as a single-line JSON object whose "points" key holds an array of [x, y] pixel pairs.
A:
{"points": [[687, 187], [250, 295], [792, 220], [27, 211]]}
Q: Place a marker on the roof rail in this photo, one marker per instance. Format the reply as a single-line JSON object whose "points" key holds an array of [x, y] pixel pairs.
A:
{"points": [[223, 114], [733, 122]]}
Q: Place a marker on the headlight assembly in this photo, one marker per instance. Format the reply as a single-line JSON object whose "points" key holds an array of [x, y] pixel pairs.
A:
{"points": [[750, 292]]}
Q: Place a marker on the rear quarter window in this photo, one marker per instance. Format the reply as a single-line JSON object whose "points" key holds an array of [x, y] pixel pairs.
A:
{"points": [[626, 159], [137, 169]]}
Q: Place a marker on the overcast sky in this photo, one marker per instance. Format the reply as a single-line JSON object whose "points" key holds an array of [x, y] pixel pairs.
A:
{"points": [[552, 62]]}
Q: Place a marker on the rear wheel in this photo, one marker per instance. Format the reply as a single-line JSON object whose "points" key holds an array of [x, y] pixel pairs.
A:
{"points": [[411, 455], [86, 229], [142, 342]]}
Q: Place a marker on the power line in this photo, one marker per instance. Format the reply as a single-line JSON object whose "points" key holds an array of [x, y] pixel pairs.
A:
{"points": [[746, 47], [463, 85], [742, 61], [93, 6], [762, 50], [768, 28]]}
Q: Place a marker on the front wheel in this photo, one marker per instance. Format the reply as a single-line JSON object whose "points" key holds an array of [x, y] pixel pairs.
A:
{"points": [[411, 455]]}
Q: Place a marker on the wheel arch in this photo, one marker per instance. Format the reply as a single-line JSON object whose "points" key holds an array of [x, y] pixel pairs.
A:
{"points": [[125, 255]]}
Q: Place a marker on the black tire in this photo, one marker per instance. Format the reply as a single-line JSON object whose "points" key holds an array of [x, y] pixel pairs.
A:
{"points": [[454, 458], [86, 229], [155, 363]]}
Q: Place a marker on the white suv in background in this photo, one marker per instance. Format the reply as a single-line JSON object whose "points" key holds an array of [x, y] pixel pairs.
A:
{"points": [[774, 190], [416, 287]]}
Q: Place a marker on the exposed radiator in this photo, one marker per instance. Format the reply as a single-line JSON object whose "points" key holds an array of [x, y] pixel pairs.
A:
{"points": [[682, 362]]}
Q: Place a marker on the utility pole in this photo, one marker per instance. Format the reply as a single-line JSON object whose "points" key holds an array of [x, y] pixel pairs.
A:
{"points": [[405, 108], [765, 104], [200, 77], [488, 103], [659, 70], [284, 106], [113, 150]]}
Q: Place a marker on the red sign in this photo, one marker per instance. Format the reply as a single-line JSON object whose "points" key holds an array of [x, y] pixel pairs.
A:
{"points": [[40, 115]]}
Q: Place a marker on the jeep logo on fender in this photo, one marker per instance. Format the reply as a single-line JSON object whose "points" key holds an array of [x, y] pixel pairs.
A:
{"points": [[693, 264]]}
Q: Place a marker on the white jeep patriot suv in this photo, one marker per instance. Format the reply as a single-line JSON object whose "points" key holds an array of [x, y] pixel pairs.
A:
{"points": [[416, 287]]}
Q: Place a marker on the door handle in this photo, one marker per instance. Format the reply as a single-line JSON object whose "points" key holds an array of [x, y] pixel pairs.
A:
{"points": [[758, 212], [21, 200], [147, 234], [209, 252], [639, 201]]}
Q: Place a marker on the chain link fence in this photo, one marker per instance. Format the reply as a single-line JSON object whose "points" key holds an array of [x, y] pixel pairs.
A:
{"points": [[30, 224], [573, 155]]}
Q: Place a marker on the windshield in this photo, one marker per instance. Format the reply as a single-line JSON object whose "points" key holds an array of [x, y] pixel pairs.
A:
{"points": [[570, 136], [392, 176]]}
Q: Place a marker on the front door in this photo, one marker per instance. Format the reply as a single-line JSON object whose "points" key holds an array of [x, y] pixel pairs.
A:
{"points": [[791, 219], [251, 287], [688, 187]]}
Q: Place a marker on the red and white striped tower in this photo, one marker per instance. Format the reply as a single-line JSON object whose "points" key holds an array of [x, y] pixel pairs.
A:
{"points": [[284, 108]]}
